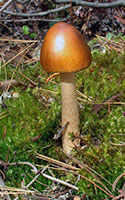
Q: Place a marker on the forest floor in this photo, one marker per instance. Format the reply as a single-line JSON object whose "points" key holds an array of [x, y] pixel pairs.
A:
{"points": [[32, 162]]}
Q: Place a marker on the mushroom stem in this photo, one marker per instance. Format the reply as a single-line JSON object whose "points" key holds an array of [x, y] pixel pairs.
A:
{"points": [[69, 112]]}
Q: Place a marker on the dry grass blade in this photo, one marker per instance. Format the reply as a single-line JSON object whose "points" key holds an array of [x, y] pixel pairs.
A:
{"points": [[112, 44], [84, 96], [11, 190], [4, 116], [26, 50], [101, 103], [21, 52], [116, 181], [59, 181], [120, 19], [18, 41], [82, 166], [38, 173], [116, 144], [93, 173], [32, 82], [109, 194], [56, 162], [101, 38], [2, 113]]}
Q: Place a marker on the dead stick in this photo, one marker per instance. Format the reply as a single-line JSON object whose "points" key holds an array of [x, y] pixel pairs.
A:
{"points": [[40, 156], [59, 181], [6, 5]]}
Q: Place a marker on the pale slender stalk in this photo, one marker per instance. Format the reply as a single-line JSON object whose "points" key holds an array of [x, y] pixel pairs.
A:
{"points": [[69, 111]]}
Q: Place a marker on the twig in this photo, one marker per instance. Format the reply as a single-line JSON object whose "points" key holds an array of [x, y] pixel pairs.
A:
{"points": [[36, 180], [95, 4], [6, 5], [11, 190], [17, 40], [81, 166], [38, 172], [2, 183], [76, 2], [122, 144], [115, 103], [32, 181], [36, 197], [59, 181], [39, 14], [40, 156], [34, 20], [34, 169], [24, 1]]}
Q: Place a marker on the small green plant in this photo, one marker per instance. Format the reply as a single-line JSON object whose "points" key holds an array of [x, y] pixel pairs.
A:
{"points": [[26, 31], [33, 35], [116, 38]]}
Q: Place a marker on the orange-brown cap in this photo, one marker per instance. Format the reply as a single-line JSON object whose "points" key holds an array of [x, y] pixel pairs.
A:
{"points": [[64, 49]]}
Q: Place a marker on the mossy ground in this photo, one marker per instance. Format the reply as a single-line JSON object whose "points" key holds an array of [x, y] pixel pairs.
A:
{"points": [[37, 110]]}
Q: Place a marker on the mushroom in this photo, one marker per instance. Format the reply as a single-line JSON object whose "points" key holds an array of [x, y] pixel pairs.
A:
{"points": [[64, 50]]}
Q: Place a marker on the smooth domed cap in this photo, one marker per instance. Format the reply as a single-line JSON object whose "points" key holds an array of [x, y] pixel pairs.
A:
{"points": [[64, 49]]}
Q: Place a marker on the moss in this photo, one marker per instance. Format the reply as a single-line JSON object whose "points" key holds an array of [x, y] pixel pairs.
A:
{"points": [[37, 111]]}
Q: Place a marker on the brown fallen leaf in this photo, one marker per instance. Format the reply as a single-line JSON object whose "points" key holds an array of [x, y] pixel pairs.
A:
{"points": [[9, 83], [34, 139]]}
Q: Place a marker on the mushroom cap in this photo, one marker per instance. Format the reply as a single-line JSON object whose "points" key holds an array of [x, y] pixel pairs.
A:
{"points": [[64, 49]]}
